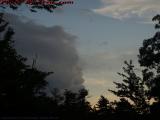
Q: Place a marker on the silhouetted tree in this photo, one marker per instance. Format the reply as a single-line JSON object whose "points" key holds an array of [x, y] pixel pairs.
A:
{"points": [[76, 106], [21, 86], [141, 93], [149, 58], [104, 109], [124, 110], [132, 88]]}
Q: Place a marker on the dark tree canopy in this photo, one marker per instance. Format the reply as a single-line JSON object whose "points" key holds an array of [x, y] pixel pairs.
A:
{"points": [[104, 108], [132, 88], [21, 85], [149, 58], [76, 106], [157, 19], [139, 93]]}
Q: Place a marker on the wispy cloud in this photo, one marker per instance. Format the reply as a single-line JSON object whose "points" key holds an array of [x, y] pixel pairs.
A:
{"points": [[128, 9]]}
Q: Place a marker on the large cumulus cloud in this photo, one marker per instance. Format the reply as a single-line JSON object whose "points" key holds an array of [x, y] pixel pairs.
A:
{"points": [[53, 48]]}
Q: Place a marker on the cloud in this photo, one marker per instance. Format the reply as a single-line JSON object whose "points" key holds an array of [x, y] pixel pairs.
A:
{"points": [[129, 9], [55, 50]]}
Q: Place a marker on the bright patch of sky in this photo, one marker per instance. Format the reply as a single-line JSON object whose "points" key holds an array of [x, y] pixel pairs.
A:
{"points": [[126, 9]]}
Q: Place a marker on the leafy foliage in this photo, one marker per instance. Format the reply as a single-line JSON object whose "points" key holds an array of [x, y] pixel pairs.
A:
{"points": [[132, 88], [149, 57], [75, 104]]}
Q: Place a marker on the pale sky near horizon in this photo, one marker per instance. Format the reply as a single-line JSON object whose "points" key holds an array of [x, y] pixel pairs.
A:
{"points": [[108, 32]]}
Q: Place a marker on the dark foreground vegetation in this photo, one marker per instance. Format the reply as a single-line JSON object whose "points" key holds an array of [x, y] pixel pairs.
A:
{"points": [[22, 87]]}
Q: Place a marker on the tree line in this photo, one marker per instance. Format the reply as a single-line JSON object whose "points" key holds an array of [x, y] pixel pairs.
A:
{"points": [[22, 87]]}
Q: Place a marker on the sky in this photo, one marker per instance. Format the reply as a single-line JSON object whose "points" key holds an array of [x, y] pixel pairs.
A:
{"points": [[84, 43]]}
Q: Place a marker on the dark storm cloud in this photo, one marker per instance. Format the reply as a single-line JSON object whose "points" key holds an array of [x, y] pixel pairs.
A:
{"points": [[54, 48]]}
